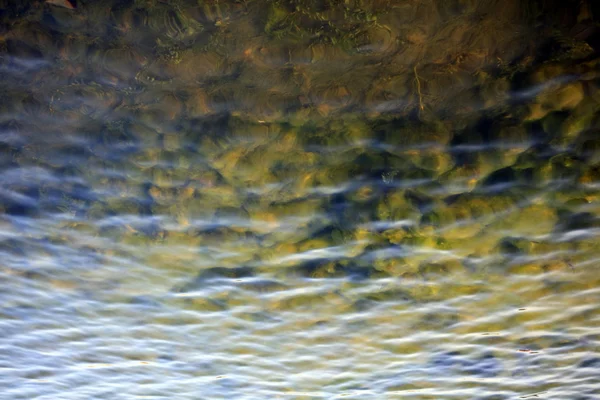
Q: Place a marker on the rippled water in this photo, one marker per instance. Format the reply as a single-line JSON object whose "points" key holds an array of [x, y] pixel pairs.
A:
{"points": [[296, 199]]}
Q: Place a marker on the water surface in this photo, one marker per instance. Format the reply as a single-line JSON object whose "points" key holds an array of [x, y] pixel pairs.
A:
{"points": [[299, 200]]}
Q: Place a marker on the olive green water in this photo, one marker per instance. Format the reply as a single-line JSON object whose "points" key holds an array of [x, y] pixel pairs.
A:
{"points": [[299, 199]]}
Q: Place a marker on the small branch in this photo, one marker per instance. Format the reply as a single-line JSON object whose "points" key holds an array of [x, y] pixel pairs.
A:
{"points": [[421, 107]]}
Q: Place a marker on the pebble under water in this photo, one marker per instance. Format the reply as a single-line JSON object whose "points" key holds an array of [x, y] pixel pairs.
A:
{"points": [[242, 199]]}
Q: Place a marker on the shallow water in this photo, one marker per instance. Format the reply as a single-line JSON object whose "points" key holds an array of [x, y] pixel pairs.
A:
{"points": [[299, 200]]}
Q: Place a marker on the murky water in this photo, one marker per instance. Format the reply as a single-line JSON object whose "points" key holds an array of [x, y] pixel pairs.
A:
{"points": [[297, 199]]}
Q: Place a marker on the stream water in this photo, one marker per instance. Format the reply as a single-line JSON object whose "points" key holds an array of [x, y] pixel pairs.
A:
{"points": [[299, 199]]}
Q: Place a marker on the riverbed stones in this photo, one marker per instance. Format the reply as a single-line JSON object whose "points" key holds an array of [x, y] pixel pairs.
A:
{"points": [[566, 97], [310, 155]]}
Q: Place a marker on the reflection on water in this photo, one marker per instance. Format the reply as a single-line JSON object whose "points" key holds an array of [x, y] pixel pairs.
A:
{"points": [[240, 199]]}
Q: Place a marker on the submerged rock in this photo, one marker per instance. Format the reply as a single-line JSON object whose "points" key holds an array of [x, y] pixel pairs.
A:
{"points": [[565, 97]]}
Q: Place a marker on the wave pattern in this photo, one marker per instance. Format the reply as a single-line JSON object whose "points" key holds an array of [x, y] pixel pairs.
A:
{"points": [[240, 200]]}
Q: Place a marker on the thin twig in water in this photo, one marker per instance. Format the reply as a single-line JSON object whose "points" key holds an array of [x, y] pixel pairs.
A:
{"points": [[421, 107]]}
